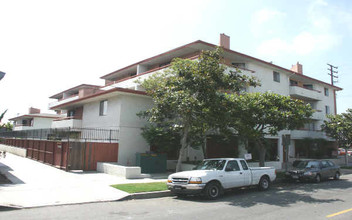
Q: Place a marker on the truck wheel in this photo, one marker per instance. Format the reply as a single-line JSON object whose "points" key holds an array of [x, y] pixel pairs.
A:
{"points": [[213, 190], [264, 183]]}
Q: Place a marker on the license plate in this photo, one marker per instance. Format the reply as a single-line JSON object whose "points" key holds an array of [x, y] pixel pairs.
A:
{"points": [[177, 187], [295, 177]]}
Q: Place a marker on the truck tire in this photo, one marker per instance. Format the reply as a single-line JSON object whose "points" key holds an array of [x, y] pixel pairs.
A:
{"points": [[264, 183], [213, 190]]}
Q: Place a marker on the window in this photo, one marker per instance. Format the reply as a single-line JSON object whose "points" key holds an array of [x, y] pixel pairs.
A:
{"points": [[326, 91], [331, 164], [71, 113], [308, 86], [239, 65], [276, 76], [103, 109], [232, 166], [244, 165], [327, 110], [293, 83], [325, 164]]}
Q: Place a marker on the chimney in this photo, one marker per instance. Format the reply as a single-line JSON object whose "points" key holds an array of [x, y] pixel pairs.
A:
{"points": [[298, 68], [34, 110], [224, 41]]}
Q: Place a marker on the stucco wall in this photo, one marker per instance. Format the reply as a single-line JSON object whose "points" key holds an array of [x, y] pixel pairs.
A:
{"points": [[131, 140]]}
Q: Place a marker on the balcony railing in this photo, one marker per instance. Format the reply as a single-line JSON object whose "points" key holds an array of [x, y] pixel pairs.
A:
{"points": [[65, 134], [63, 101], [305, 93], [66, 122]]}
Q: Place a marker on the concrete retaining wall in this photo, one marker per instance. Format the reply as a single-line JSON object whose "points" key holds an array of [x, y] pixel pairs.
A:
{"points": [[118, 170], [14, 150]]}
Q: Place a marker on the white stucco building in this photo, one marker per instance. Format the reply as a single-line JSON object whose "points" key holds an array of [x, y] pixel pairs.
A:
{"points": [[114, 105], [33, 120]]}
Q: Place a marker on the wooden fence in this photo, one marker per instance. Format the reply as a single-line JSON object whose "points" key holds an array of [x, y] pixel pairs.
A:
{"points": [[68, 155]]}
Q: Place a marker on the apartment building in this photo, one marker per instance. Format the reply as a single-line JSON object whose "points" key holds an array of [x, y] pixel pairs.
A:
{"points": [[115, 105], [33, 120]]}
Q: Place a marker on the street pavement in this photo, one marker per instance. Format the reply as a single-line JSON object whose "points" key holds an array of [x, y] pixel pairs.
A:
{"points": [[36, 184], [326, 200]]}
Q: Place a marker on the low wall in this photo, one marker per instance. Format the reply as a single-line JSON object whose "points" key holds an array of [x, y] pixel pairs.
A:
{"points": [[14, 150], [118, 170]]}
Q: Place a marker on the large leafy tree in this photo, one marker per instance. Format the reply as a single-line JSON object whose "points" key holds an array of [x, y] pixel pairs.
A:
{"points": [[256, 115], [190, 97], [339, 127]]}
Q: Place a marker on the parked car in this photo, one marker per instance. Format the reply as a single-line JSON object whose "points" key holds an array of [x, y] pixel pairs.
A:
{"points": [[314, 170], [213, 176]]}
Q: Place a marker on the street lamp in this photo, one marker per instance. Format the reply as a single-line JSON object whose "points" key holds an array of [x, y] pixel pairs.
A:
{"points": [[2, 74]]}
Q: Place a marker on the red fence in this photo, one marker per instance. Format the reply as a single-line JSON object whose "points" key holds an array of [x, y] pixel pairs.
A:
{"points": [[68, 155]]}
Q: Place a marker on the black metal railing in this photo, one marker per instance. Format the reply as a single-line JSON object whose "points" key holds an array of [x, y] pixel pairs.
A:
{"points": [[77, 134]]}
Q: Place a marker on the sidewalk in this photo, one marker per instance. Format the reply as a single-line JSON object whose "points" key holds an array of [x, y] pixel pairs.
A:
{"points": [[36, 184]]}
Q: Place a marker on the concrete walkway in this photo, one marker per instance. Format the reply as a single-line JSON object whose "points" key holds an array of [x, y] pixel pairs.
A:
{"points": [[36, 184]]}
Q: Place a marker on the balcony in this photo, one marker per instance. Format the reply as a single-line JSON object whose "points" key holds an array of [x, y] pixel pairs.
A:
{"points": [[67, 122], [21, 127], [62, 101], [318, 115], [301, 134], [304, 93]]}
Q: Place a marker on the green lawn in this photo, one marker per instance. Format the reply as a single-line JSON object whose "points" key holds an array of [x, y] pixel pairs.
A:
{"points": [[141, 187]]}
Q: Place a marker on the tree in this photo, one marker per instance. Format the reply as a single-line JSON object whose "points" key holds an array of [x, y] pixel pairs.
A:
{"points": [[256, 115], [2, 115], [189, 97], [339, 127]]}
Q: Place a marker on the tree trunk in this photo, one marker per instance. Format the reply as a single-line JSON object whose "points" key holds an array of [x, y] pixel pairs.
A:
{"points": [[184, 144], [262, 152], [204, 147]]}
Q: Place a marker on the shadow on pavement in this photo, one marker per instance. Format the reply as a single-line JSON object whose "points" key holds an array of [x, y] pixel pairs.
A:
{"points": [[6, 177], [282, 195]]}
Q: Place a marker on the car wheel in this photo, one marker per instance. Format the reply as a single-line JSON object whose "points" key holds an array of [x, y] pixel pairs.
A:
{"points": [[337, 176], [317, 178], [264, 183], [213, 190]]}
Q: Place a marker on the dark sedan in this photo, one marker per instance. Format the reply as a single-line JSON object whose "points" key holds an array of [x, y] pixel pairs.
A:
{"points": [[315, 170]]}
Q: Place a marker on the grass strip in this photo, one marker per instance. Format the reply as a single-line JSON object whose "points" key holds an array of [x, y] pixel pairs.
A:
{"points": [[141, 187]]}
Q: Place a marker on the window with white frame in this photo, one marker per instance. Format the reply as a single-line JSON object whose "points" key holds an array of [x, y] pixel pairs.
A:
{"points": [[103, 108]]}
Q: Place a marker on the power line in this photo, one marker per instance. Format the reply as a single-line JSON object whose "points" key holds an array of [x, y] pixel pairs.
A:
{"points": [[333, 73]]}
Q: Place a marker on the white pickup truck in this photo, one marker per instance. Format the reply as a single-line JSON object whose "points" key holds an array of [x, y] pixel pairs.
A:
{"points": [[213, 176]]}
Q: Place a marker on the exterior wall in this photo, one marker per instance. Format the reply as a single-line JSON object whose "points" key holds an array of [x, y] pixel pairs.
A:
{"points": [[131, 140], [38, 123], [265, 75], [92, 119]]}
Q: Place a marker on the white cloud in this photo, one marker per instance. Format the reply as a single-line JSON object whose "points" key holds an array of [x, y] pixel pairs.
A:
{"points": [[266, 21], [304, 43]]}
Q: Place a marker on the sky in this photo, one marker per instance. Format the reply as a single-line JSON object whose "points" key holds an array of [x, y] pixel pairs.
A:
{"points": [[49, 46]]}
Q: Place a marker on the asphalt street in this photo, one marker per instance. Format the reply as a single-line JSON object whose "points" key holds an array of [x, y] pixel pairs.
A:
{"points": [[326, 200]]}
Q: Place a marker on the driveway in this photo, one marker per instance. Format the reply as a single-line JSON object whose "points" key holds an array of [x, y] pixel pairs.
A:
{"points": [[36, 184]]}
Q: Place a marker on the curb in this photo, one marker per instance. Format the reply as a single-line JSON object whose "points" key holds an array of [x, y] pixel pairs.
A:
{"points": [[148, 195], [8, 208]]}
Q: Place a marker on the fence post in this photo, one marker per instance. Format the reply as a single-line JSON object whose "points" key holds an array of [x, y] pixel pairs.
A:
{"points": [[110, 136], [68, 148]]}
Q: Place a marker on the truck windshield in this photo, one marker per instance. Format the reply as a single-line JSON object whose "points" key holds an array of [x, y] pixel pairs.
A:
{"points": [[211, 165]]}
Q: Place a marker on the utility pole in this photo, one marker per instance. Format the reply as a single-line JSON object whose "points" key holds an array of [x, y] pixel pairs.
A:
{"points": [[332, 73]]}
